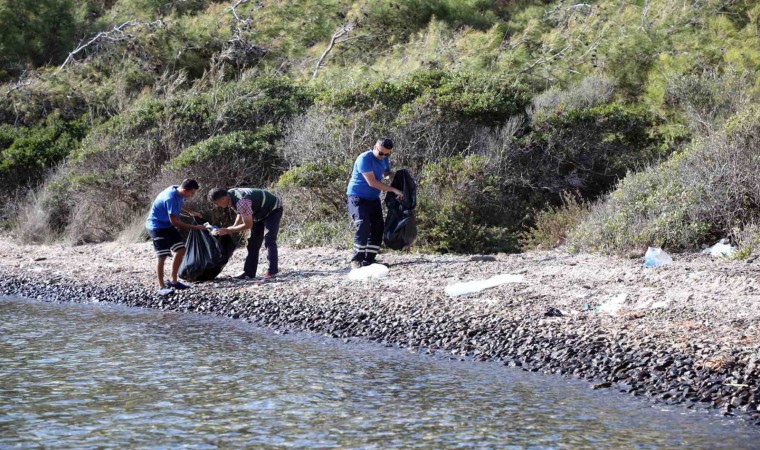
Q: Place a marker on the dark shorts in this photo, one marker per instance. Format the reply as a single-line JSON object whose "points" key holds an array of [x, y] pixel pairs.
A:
{"points": [[166, 241]]}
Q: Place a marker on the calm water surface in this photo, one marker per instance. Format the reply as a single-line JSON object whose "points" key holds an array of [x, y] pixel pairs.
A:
{"points": [[105, 376]]}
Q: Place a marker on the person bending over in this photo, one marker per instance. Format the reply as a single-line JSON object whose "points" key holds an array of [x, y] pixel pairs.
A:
{"points": [[257, 210], [162, 223]]}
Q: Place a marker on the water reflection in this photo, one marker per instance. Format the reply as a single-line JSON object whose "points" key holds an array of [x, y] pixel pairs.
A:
{"points": [[104, 376]]}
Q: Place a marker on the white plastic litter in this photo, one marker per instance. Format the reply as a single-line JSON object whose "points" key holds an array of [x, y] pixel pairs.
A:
{"points": [[656, 257], [373, 271], [660, 304], [612, 306], [476, 286], [722, 249]]}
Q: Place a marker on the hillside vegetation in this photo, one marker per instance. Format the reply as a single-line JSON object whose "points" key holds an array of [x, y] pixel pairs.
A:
{"points": [[607, 126]]}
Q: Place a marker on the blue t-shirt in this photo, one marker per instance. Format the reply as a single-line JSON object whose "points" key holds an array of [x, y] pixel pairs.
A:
{"points": [[168, 202], [367, 162]]}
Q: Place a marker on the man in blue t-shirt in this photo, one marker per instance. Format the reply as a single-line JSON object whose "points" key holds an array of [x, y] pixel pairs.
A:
{"points": [[162, 223], [364, 201]]}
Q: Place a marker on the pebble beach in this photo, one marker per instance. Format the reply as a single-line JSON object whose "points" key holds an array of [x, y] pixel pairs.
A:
{"points": [[687, 333]]}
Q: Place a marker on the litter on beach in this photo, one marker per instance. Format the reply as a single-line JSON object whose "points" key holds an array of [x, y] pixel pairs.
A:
{"points": [[656, 257], [722, 249], [470, 287], [612, 306], [373, 271]]}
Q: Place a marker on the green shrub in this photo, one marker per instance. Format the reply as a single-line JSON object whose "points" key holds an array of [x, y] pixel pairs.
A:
{"points": [[315, 198], [460, 208], [455, 229], [483, 99], [262, 100], [327, 183], [25, 154], [240, 158], [553, 224]]}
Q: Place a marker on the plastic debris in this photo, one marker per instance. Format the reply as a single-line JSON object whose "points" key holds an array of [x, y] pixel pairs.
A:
{"points": [[612, 306], [373, 271], [722, 249], [656, 257], [470, 287]]}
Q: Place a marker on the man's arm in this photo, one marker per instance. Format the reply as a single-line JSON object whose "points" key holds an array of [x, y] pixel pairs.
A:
{"points": [[242, 223], [372, 181], [180, 224]]}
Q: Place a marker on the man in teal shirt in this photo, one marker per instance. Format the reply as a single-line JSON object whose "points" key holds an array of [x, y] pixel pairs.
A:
{"points": [[257, 210], [364, 205]]}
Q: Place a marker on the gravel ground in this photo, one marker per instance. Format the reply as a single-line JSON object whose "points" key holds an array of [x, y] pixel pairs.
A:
{"points": [[685, 333]]}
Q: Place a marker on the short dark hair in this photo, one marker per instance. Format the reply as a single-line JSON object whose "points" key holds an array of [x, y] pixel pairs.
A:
{"points": [[189, 184], [385, 142], [216, 194]]}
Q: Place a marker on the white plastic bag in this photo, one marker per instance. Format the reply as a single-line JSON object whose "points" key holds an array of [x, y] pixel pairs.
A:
{"points": [[656, 257], [373, 271], [722, 249], [478, 285], [613, 305]]}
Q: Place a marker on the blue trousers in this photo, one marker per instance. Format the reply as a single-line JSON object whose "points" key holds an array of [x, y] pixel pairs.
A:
{"points": [[368, 222]]}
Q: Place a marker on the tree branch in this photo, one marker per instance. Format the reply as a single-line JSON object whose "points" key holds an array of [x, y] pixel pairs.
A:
{"points": [[116, 34], [342, 31]]}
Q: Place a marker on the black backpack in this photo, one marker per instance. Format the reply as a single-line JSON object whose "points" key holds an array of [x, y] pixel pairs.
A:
{"points": [[400, 225]]}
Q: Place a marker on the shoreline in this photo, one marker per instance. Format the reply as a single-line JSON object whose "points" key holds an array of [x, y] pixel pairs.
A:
{"points": [[687, 333]]}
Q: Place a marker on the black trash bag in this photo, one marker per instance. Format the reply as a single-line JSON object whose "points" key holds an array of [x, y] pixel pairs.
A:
{"points": [[205, 256], [400, 224], [404, 182]]}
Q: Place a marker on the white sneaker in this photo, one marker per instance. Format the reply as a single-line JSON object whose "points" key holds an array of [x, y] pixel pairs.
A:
{"points": [[164, 291]]}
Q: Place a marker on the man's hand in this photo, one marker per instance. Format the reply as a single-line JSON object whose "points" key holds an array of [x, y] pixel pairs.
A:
{"points": [[196, 214], [399, 194], [198, 227]]}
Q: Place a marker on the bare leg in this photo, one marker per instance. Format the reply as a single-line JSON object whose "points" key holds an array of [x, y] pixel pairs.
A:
{"points": [[160, 271], [176, 262]]}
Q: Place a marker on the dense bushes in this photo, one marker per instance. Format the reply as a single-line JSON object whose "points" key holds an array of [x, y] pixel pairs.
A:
{"points": [[35, 33], [162, 140], [504, 112], [462, 209], [709, 191], [449, 95]]}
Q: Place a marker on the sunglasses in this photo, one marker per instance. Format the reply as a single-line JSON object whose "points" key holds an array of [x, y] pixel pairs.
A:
{"points": [[379, 153]]}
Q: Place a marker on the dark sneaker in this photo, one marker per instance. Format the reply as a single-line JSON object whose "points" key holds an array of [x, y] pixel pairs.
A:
{"points": [[177, 285], [243, 276]]}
